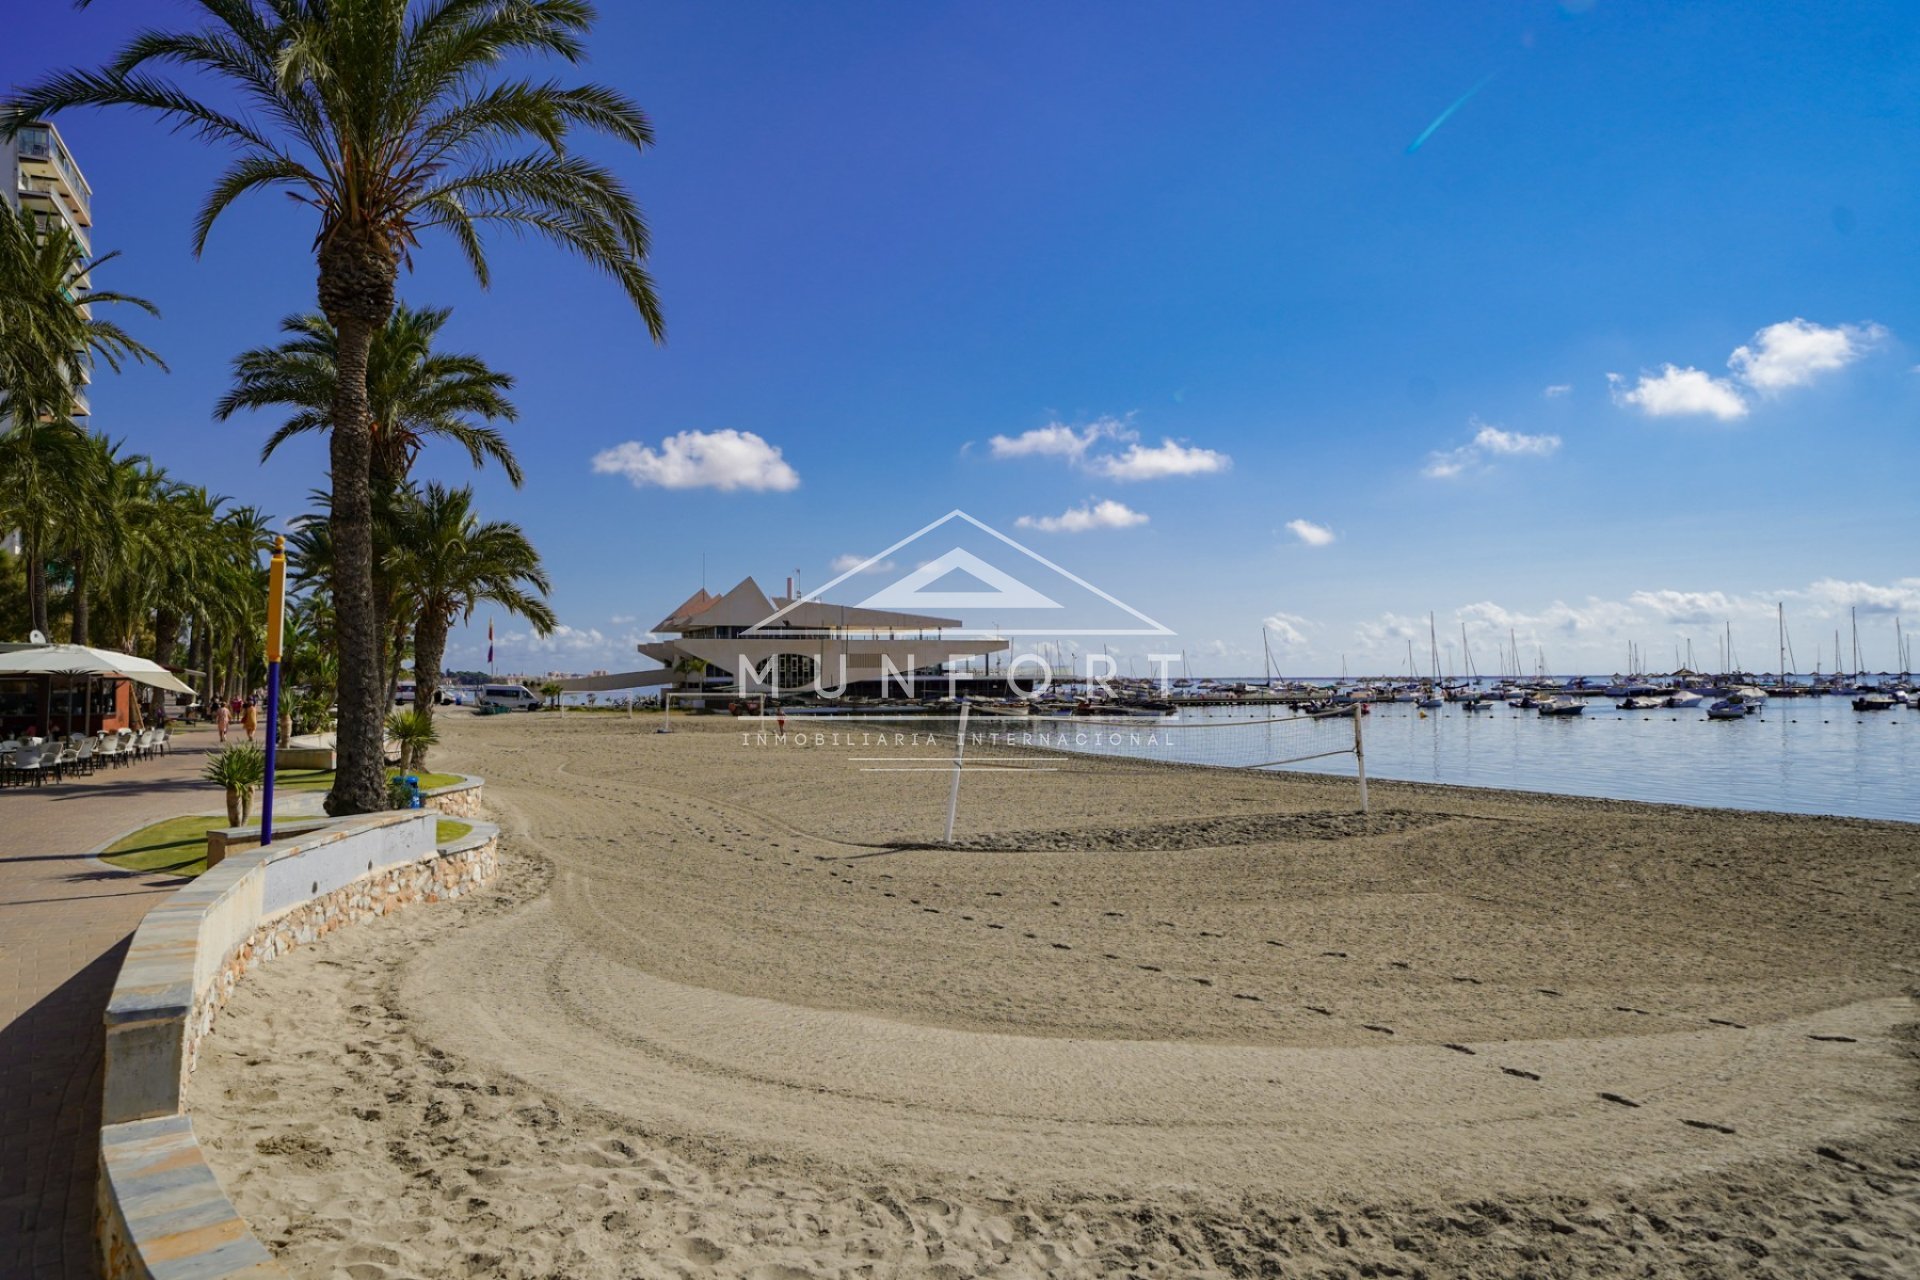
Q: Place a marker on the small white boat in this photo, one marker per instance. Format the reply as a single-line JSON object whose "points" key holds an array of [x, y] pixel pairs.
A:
{"points": [[1642, 702], [1561, 706], [1875, 702], [1733, 708], [1684, 698]]}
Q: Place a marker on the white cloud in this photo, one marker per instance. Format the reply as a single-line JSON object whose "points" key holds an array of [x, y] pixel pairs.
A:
{"points": [[1077, 446], [1314, 535], [1900, 597], [1795, 352], [622, 619], [724, 460], [1446, 464], [1168, 458], [1557, 390], [1516, 444], [1677, 392], [1058, 440], [1105, 514], [1288, 630], [849, 562], [1791, 353], [1591, 635]]}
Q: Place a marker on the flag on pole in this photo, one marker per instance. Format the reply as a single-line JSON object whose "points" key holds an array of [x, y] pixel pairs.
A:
{"points": [[489, 642]]}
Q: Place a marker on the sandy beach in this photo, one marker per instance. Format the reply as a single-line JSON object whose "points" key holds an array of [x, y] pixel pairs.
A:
{"points": [[729, 1014]]}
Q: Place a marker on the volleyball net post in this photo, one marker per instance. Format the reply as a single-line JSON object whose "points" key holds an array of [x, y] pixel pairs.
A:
{"points": [[959, 763], [1360, 759]]}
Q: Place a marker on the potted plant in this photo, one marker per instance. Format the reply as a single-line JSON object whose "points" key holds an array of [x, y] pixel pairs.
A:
{"points": [[240, 767]]}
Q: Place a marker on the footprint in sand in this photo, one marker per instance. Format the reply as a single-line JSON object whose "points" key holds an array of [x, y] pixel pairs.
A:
{"points": [[1150, 968], [1617, 1100], [1708, 1124], [1458, 1048], [1459, 978], [1371, 1026], [1524, 1075], [1314, 1008], [1337, 955]]}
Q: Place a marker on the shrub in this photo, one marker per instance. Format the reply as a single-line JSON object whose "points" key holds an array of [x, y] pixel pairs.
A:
{"points": [[240, 767], [412, 728]]}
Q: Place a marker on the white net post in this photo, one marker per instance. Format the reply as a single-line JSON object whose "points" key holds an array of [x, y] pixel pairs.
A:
{"points": [[959, 760], [1360, 757]]}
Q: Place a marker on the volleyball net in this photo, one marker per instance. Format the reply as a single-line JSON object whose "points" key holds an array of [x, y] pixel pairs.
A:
{"points": [[987, 740]]}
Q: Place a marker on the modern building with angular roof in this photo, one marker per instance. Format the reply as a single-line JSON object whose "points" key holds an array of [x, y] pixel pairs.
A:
{"points": [[755, 643]]}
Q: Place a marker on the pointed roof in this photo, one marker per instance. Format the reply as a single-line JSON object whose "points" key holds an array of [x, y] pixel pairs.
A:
{"points": [[688, 608], [743, 606]]}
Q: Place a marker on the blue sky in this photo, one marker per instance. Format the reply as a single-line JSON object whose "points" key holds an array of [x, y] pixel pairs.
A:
{"points": [[1345, 382]]}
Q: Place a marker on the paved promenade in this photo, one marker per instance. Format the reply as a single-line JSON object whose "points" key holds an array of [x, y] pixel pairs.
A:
{"points": [[64, 924]]}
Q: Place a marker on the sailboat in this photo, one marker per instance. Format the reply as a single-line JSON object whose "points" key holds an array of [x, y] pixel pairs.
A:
{"points": [[1430, 699], [1470, 699]]}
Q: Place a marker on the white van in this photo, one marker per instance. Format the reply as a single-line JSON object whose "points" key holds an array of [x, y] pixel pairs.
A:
{"points": [[514, 697]]}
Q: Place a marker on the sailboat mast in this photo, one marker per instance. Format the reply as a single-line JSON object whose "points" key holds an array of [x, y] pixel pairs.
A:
{"points": [[1782, 606]]}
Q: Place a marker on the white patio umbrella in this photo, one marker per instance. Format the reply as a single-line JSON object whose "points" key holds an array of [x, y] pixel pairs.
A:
{"points": [[81, 660]]}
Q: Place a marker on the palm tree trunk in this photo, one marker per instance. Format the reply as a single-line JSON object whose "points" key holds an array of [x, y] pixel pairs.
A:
{"points": [[429, 652], [36, 581], [166, 637], [356, 294], [80, 618]]}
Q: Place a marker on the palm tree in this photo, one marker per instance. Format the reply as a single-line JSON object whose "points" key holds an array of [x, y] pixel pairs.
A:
{"points": [[414, 392], [43, 462], [449, 562], [389, 118], [49, 334]]}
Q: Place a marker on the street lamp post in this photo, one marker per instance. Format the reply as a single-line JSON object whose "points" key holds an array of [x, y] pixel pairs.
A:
{"points": [[276, 610]]}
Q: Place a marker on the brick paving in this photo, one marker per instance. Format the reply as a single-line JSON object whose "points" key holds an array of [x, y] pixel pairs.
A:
{"points": [[64, 924]]}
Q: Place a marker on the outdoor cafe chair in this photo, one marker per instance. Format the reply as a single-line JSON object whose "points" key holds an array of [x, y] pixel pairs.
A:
{"points": [[33, 762]]}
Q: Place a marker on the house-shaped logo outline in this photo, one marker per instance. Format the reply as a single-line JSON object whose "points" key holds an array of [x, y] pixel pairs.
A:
{"points": [[985, 599]]}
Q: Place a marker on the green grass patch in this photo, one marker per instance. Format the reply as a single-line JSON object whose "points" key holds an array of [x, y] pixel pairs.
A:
{"points": [[451, 829], [322, 779], [177, 846]]}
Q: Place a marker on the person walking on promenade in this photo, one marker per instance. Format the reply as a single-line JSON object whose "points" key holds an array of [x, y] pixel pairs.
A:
{"points": [[221, 719], [249, 720]]}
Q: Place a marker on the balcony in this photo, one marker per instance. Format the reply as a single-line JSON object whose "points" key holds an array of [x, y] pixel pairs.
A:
{"points": [[42, 197], [43, 155]]}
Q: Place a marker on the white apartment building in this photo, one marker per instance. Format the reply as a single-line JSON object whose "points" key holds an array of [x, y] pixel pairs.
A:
{"points": [[38, 173]]}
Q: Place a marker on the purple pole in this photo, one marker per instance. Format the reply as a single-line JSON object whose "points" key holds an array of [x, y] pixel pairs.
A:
{"points": [[273, 743]]}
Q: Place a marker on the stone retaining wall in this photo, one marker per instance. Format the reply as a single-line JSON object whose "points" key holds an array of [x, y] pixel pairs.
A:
{"points": [[462, 799], [161, 1212]]}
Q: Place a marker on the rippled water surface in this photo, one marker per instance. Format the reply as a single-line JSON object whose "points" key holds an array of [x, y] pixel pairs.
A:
{"points": [[1801, 755]]}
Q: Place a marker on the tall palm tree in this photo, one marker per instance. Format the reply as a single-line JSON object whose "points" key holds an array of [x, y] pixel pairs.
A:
{"points": [[389, 118], [449, 562], [414, 392]]}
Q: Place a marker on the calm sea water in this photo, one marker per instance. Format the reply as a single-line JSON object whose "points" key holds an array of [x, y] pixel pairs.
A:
{"points": [[1799, 755]]}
